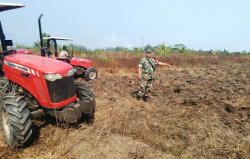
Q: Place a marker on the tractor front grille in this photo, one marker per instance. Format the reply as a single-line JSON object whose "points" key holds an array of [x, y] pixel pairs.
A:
{"points": [[62, 89]]}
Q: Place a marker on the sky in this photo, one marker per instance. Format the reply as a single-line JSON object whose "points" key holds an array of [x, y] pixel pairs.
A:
{"points": [[199, 24]]}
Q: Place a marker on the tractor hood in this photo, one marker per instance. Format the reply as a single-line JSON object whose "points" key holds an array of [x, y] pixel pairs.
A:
{"points": [[42, 64], [86, 63]]}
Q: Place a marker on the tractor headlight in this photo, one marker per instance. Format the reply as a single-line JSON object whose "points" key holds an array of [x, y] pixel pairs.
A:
{"points": [[71, 72], [91, 74], [53, 77]]}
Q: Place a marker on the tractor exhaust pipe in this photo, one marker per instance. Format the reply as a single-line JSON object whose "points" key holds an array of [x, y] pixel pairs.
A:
{"points": [[2, 38], [40, 30], [43, 51]]}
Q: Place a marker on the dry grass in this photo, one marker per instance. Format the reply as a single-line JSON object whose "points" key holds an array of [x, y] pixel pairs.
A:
{"points": [[130, 61]]}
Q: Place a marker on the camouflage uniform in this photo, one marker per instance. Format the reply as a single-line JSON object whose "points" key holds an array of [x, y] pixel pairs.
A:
{"points": [[148, 66]]}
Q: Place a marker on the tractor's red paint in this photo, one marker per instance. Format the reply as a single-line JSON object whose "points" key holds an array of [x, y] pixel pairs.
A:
{"points": [[81, 62], [29, 71], [24, 51]]}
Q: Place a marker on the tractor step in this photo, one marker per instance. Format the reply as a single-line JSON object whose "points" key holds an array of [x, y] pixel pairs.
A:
{"points": [[70, 114], [73, 113]]}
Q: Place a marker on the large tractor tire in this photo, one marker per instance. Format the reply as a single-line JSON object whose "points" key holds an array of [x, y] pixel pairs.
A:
{"points": [[16, 120], [3, 85], [87, 100]]}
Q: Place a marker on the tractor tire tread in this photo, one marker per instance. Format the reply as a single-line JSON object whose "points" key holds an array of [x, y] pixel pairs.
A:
{"points": [[85, 94], [20, 119]]}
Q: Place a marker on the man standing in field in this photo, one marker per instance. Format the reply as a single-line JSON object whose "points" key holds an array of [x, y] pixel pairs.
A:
{"points": [[147, 67]]}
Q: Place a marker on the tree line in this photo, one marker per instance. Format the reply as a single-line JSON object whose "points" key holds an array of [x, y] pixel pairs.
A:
{"points": [[161, 49]]}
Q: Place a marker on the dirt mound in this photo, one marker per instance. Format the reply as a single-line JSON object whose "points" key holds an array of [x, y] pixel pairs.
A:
{"points": [[201, 112]]}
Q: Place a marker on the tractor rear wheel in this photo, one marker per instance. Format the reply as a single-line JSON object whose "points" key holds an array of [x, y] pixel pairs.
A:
{"points": [[87, 100], [16, 120]]}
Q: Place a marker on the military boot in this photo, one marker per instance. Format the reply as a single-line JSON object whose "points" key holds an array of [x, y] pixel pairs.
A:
{"points": [[145, 98]]}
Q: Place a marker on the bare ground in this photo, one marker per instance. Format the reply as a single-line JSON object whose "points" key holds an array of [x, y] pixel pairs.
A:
{"points": [[198, 112]]}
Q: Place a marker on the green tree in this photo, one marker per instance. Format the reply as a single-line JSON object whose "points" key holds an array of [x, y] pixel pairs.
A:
{"points": [[181, 48], [121, 49], [137, 50], [162, 49]]}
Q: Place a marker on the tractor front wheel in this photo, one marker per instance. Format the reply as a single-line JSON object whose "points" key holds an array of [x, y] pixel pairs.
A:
{"points": [[87, 100], [16, 120]]}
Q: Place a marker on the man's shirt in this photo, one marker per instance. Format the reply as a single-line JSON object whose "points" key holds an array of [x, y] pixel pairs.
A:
{"points": [[63, 54], [148, 65]]}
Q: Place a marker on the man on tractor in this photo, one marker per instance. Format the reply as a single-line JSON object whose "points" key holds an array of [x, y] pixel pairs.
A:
{"points": [[83, 67], [147, 67], [64, 53]]}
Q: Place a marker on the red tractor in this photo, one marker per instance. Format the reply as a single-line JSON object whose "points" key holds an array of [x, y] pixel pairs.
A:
{"points": [[35, 86], [83, 67]]}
